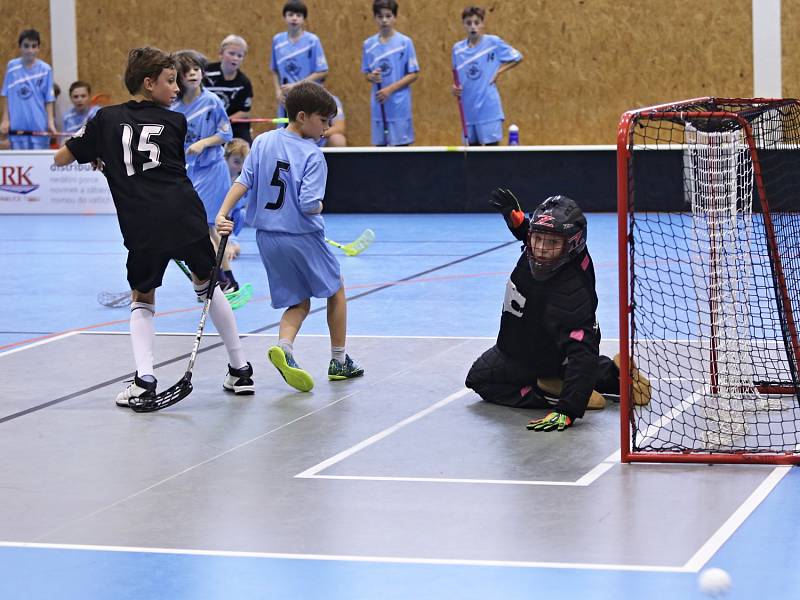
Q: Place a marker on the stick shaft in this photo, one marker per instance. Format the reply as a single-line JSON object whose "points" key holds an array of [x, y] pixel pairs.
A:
{"points": [[464, 134], [212, 283]]}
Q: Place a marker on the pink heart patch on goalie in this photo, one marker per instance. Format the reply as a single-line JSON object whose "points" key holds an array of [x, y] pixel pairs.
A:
{"points": [[577, 335]]}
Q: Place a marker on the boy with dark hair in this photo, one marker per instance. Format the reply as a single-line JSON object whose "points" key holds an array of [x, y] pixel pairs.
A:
{"points": [[208, 129], [549, 339], [226, 79], [82, 110], [29, 96], [297, 55], [389, 61], [139, 145], [479, 60], [286, 175]]}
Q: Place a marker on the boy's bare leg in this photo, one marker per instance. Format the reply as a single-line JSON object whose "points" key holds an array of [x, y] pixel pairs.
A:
{"points": [[337, 318], [282, 355], [292, 319], [341, 365]]}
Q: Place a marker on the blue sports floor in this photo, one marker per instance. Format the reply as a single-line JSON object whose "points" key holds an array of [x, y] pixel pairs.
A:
{"points": [[426, 280]]}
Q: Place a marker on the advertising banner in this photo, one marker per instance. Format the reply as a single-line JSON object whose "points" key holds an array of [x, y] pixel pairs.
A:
{"points": [[31, 184]]}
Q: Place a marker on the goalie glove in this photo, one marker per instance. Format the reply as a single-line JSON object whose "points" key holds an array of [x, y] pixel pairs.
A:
{"points": [[551, 421], [506, 203]]}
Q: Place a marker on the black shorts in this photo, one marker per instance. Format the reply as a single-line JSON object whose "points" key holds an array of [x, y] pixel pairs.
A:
{"points": [[146, 267]]}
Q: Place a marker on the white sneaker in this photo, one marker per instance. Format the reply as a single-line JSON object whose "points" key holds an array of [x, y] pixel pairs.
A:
{"points": [[240, 381], [143, 390]]}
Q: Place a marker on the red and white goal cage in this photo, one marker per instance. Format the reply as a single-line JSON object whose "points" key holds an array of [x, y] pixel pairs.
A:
{"points": [[709, 270]]}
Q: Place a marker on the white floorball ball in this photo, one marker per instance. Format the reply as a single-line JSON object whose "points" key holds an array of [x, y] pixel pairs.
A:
{"points": [[714, 582]]}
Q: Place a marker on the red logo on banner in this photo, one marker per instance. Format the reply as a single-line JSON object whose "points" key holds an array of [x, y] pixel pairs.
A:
{"points": [[17, 180]]}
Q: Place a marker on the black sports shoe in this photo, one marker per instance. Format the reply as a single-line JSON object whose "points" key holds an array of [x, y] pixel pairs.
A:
{"points": [[240, 381]]}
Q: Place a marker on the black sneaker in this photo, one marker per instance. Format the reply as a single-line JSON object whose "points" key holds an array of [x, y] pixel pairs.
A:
{"points": [[142, 391], [240, 381]]}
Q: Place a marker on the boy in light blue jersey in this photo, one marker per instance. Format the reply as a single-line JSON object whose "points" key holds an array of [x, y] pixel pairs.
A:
{"points": [[479, 60], [208, 130], [29, 96], [297, 55], [389, 61], [82, 110], [285, 174]]}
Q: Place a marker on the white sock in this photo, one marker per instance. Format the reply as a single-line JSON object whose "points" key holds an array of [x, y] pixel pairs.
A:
{"points": [[287, 346], [221, 315], [337, 353], [143, 333]]}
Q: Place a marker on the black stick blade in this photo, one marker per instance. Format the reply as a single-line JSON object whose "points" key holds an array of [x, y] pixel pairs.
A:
{"points": [[168, 397]]}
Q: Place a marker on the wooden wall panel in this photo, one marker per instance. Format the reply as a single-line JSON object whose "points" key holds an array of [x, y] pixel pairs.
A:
{"points": [[586, 61], [790, 48], [17, 16]]}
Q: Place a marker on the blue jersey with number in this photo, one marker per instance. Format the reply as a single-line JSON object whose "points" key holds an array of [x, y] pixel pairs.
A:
{"points": [[27, 90], [205, 116], [476, 67], [296, 60], [286, 176], [395, 58], [74, 120]]}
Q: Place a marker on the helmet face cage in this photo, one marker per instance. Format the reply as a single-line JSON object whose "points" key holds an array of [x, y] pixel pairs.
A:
{"points": [[557, 217]]}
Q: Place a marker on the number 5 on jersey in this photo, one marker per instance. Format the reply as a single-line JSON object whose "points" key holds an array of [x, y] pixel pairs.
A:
{"points": [[277, 181], [144, 145]]}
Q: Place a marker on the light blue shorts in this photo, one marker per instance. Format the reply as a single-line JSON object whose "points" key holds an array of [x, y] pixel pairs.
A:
{"points": [[299, 267], [29, 142], [485, 133], [212, 183], [401, 133]]}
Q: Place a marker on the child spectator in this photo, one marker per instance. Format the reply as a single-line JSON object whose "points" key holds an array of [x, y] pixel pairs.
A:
{"points": [[479, 60], [297, 54], [29, 97], [335, 134], [140, 144], [235, 152], [389, 61], [208, 129], [82, 110], [286, 173], [226, 79]]}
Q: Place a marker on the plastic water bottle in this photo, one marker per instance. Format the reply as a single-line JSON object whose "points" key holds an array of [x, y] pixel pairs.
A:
{"points": [[513, 135]]}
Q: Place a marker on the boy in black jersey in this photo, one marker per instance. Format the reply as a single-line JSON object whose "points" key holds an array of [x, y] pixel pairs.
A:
{"points": [[139, 147], [549, 337]]}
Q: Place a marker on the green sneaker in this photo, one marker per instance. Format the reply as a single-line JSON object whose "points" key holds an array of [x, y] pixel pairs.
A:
{"points": [[348, 370], [290, 370]]}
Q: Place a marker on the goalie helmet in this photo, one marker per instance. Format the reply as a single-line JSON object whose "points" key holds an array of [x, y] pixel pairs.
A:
{"points": [[556, 235]]}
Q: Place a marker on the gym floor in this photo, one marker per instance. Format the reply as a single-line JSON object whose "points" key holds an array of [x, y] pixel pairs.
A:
{"points": [[402, 484]]}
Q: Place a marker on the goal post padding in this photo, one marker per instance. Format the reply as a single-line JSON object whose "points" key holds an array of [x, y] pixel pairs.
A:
{"points": [[710, 292]]}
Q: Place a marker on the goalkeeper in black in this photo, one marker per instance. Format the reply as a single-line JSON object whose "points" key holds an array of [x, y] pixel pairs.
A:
{"points": [[547, 353]]}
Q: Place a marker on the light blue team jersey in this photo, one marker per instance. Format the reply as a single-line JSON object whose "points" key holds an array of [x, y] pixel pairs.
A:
{"points": [[294, 61], [339, 116], [27, 91], [476, 67], [205, 116], [74, 120], [286, 176], [396, 58]]}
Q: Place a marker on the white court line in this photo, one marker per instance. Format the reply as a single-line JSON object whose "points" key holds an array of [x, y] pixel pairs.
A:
{"points": [[308, 335], [39, 343], [355, 558], [313, 472], [729, 527]]}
